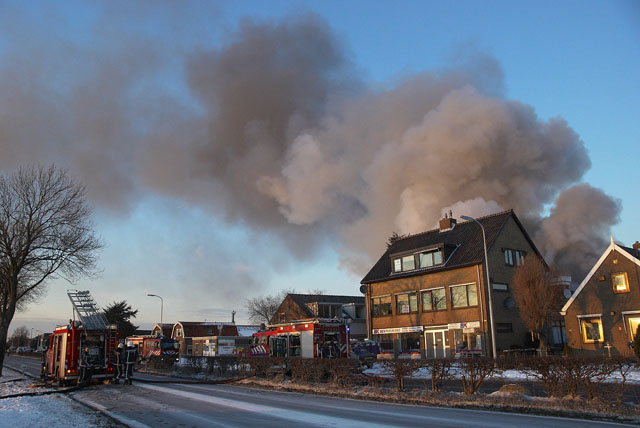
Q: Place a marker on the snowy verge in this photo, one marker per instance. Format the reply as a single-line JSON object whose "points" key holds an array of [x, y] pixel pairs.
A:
{"points": [[37, 411]]}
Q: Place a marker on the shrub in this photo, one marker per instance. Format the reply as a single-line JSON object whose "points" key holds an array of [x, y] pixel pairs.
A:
{"points": [[340, 370], [440, 371], [401, 368], [546, 370], [622, 365], [475, 370]]}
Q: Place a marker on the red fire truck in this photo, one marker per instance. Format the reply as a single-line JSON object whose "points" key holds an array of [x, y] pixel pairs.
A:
{"points": [[307, 338], [90, 336], [155, 346]]}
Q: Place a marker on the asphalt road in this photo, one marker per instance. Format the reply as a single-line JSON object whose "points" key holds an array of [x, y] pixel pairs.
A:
{"points": [[179, 405]]}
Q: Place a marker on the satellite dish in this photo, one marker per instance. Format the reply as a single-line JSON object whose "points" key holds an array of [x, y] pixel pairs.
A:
{"points": [[567, 293], [363, 289]]}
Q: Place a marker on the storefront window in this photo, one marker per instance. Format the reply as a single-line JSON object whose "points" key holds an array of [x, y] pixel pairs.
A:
{"points": [[467, 341], [385, 341], [410, 342]]}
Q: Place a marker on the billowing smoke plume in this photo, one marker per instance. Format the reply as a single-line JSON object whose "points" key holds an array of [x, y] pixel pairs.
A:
{"points": [[273, 129]]}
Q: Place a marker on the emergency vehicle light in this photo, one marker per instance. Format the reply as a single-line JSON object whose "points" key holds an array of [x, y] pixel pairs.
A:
{"points": [[68, 371]]}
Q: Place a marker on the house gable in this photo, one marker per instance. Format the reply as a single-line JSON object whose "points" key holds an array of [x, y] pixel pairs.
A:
{"points": [[611, 248]]}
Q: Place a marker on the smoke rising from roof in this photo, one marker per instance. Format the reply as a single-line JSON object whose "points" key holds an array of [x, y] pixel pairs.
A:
{"points": [[273, 129]]}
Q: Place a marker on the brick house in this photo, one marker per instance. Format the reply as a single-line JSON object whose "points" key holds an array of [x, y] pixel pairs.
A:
{"points": [[603, 314], [427, 295], [303, 306], [190, 335]]}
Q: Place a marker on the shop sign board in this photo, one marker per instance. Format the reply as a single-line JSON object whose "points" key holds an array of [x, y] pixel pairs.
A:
{"points": [[397, 330], [464, 325]]}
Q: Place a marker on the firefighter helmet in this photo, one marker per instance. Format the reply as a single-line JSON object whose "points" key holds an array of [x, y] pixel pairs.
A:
{"points": [[120, 345]]}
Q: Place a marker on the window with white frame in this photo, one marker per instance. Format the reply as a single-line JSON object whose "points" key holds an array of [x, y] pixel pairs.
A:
{"points": [[591, 328], [632, 326]]}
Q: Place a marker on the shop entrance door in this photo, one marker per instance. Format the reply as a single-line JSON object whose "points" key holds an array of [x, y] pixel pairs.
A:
{"points": [[436, 343]]}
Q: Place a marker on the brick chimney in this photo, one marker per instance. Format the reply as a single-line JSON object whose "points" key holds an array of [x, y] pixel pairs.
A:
{"points": [[447, 223], [636, 246]]}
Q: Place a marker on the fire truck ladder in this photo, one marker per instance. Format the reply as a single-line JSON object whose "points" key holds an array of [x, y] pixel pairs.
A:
{"points": [[87, 309]]}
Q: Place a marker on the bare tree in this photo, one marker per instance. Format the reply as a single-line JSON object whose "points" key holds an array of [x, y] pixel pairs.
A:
{"points": [[262, 309], [45, 233], [536, 296], [20, 337]]}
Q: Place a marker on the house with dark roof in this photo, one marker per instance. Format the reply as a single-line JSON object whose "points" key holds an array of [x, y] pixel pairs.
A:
{"points": [[163, 329], [427, 295], [603, 314], [303, 306], [190, 335]]}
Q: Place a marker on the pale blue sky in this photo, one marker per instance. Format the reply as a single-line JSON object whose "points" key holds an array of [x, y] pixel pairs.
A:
{"points": [[574, 59]]}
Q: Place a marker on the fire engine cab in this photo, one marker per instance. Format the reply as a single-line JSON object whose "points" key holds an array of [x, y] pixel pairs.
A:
{"points": [[307, 338], [90, 337]]}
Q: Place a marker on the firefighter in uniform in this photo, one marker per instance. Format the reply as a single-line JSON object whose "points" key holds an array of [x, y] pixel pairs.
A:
{"points": [[129, 360], [85, 367], [119, 363]]}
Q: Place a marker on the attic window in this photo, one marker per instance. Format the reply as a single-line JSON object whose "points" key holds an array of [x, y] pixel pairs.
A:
{"points": [[431, 258], [402, 264], [424, 259]]}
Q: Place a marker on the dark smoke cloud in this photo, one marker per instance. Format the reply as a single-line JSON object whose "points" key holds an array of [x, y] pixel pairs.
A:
{"points": [[277, 133], [575, 233]]}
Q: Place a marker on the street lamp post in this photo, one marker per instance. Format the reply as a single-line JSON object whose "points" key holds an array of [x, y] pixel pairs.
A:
{"points": [[486, 266], [161, 305]]}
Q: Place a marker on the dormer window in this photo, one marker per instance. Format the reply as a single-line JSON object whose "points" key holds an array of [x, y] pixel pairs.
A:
{"points": [[402, 264], [431, 258], [424, 259]]}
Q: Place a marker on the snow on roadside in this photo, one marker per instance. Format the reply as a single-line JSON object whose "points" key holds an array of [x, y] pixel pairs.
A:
{"points": [[378, 369], [55, 411]]}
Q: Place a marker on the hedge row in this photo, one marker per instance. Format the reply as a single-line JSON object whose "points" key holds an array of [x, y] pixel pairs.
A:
{"points": [[560, 376]]}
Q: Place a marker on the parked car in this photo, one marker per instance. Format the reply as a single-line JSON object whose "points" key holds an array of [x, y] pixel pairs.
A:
{"points": [[366, 351]]}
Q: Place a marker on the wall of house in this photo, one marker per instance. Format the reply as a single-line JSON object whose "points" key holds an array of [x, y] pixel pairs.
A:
{"points": [[434, 319], [423, 282], [598, 297], [504, 310]]}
